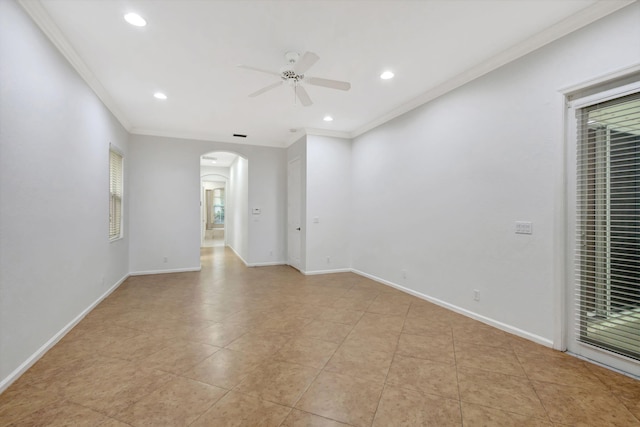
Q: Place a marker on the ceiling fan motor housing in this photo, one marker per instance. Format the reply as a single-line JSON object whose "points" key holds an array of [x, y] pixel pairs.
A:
{"points": [[290, 75], [293, 74]]}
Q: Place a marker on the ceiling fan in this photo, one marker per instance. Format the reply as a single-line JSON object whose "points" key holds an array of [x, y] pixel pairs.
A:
{"points": [[294, 74]]}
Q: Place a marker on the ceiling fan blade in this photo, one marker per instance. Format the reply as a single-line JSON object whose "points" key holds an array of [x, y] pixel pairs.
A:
{"points": [[302, 95], [304, 63], [249, 67], [264, 89], [333, 84]]}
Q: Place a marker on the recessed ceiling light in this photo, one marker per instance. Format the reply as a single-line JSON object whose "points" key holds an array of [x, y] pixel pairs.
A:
{"points": [[328, 119], [387, 75], [160, 95], [135, 19]]}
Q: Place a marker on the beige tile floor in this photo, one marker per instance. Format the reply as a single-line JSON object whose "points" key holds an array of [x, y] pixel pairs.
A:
{"points": [[237, 346]]}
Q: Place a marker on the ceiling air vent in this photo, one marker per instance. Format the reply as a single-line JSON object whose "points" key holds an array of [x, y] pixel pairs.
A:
{"points": [[239, 135]]}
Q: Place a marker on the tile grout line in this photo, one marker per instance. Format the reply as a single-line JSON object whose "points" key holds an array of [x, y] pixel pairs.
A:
{"points": [[393, 357], [455, 361], [531, 383], [293, 406], [321, 370]]}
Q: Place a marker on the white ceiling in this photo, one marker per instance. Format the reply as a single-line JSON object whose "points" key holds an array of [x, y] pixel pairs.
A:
{"points": [[190, 50]]}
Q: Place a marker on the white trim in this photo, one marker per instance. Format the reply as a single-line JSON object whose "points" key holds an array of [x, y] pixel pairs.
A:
{"points": [[596, 362], [601, 79], [560, 243], [39, 15], [295, 137], [491, 322], [605, 95], [327, 132], [265, 264], [6, 382], [209, 137], [238, 255], [171, 270], [572, 23], [316, 272]]}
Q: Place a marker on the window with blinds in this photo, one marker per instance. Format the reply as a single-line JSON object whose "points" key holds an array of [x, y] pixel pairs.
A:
{"points": [[608, 226], [115, 195]]}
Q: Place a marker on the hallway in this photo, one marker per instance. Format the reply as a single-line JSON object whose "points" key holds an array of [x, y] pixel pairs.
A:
{"points": [[213, 238], [238, 346]]}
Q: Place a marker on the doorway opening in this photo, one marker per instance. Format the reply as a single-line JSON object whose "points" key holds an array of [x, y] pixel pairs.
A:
{"points": [[223, 200], [213, 211]]}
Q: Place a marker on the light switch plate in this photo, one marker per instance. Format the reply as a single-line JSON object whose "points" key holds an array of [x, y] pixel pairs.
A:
{"points": [[524, 227]]}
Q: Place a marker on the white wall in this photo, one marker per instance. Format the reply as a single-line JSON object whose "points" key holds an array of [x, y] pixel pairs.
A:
{"points": [[458, 172], [165, 201], [237, 220], [165, 189], [328, 198], [55, 255]]}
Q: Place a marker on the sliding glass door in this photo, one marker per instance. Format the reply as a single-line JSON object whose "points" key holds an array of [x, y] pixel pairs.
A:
{"points": [[606, 278]]}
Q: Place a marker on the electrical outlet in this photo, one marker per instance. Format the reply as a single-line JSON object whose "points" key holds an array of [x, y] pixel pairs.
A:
{"points": [[328, 260], [403, 273], [165, 259], [476, 295]]}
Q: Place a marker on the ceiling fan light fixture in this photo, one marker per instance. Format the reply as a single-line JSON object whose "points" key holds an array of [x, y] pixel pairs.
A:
{"points": [[135, 19], [386, 75], [328, 118], [160, 95]]}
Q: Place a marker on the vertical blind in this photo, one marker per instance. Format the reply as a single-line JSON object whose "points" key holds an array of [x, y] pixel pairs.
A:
{"points": [[608, 226], [115, 195]]}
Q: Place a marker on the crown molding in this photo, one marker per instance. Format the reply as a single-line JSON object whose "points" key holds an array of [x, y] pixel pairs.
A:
{"points": [[42, 19], [317, 132], [210, 137], [327, 132], [570, 24]]}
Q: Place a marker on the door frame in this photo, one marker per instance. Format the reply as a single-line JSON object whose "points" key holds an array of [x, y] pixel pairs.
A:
{"points": [[290, 227], [566, 304]]}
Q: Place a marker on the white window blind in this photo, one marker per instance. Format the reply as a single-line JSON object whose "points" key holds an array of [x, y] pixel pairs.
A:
{"points": [[115, 195], [608, 226]]}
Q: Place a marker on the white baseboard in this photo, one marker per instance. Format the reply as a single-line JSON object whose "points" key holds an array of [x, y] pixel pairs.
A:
{"points": [[256, 264], [171, 270], [6, 382], [238, 255], [265, 264], [491, 322], [337, 270]]}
